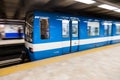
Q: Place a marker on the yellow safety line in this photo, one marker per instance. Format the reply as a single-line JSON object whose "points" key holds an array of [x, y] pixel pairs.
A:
{"points": [[13, 69]]}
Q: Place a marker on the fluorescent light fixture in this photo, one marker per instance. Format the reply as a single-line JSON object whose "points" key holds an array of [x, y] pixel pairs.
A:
{"points": [[117, 10], [86, 1], [2, 26], [109, 7]]}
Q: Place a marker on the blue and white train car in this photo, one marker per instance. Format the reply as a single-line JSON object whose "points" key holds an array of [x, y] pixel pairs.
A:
{"points": [[53, 34], [116, 32]]}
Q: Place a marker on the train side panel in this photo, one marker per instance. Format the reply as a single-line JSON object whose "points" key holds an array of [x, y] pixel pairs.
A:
{"points": [[56, 34], [46, 44], [116, 33], [88, 41]]}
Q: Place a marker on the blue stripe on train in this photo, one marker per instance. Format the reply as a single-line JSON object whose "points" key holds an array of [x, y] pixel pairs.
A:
{"points": [[94, 45], [45, 54], [66, 50], [115, 41]]}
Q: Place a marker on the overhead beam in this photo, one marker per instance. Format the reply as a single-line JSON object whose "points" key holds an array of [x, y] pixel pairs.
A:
{"points": [[2, 9], [30, 5], [19, 9], [52, 3]]}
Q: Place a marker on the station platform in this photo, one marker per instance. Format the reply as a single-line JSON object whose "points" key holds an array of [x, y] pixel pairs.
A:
{"points": [[11, 52], [101, 63], [9, 42]]}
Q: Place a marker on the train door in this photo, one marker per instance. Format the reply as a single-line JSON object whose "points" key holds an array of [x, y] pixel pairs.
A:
{"points": [[74, 40], [108, 31], [66, 36], [70, 36]]}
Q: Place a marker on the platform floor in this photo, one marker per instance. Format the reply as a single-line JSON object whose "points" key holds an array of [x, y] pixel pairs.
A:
{"points": [[14, 41], [103, 64]]}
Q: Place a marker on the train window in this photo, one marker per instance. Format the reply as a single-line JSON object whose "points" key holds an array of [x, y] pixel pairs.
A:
{"points": [[117, 28], [110, 29], [29, 29], [74, 28], [107, 29], [44, 28], [93, 28], [65, 28]]}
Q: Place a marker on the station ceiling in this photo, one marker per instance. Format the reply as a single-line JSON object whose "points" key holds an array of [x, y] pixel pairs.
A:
{"points": [[16, 9]]}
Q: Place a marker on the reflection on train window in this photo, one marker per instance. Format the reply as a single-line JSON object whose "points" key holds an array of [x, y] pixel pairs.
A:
{"points": [[107, 29], [65, 28], [74, 28], [93, 28], [29, 29], [117, 28], [44, 28]]}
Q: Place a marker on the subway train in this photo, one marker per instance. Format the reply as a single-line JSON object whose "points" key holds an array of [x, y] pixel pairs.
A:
{"points": [[49, 34]]}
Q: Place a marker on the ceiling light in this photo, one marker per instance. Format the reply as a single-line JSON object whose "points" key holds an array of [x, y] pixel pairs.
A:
{"points": [[109, 7], [1, 26], [117, 10], [86, 1]]}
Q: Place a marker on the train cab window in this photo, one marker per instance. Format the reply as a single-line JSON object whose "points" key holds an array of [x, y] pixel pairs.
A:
{"points": [[44, 28], [65, 28], [29, 28], [74, 28], [93, 28], [117, 28]]}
